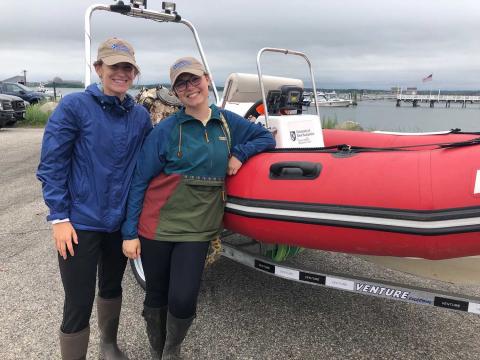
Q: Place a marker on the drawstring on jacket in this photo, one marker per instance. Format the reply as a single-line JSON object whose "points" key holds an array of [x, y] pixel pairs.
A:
{"points": [[179, 152]]}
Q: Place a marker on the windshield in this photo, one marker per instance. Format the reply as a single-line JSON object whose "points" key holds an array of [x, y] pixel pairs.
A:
{"points": [[23, 87]]}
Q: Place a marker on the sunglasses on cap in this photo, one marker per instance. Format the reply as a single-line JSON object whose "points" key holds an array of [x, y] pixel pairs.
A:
{"points": [[181, 85]]}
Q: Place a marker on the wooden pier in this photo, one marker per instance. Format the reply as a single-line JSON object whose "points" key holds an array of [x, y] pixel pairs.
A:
{"points": [[415, 99]]}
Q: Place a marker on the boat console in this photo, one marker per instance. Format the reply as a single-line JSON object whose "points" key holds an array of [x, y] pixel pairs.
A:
{"points": [[286, 101], [292, 128]]}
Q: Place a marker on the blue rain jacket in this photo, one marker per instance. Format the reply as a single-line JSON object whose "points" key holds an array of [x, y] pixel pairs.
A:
{"points": [[89, 151]]}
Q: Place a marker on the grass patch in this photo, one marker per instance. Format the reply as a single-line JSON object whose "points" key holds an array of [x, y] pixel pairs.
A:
{"points": [[329, 123], [333, 123], [35, 117]]}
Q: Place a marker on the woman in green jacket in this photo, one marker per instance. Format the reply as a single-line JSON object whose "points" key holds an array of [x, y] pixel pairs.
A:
{"points": [[177, 198]]}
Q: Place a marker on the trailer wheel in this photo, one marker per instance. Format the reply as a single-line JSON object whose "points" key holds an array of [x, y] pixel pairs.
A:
{"points": [[137, 269]]}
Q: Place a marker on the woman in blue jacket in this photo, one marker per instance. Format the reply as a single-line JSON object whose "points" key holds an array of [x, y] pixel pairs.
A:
{"points": [[176, 201], [89, 150]]}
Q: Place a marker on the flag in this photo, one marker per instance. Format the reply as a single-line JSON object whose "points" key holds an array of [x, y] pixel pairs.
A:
{"points": [[428, 78]]}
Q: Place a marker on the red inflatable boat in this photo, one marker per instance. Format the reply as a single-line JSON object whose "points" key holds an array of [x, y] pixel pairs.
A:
{"points": [[364, 193]]}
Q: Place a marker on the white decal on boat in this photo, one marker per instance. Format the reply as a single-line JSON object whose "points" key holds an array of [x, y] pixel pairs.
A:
{"points": [[476, 189]]}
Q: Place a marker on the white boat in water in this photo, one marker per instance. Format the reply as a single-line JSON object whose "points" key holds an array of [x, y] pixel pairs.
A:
{"points": [[327, 99], [330, 99], [48, 92]]}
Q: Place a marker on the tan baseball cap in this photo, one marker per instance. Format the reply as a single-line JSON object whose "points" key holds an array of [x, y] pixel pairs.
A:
{"points": [[114, 50], [186, 65]]}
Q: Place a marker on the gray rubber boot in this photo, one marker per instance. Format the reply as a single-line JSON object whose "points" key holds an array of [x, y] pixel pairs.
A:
{"points": [[156, 324], [176, 331], [74, 346], [108, 311]]}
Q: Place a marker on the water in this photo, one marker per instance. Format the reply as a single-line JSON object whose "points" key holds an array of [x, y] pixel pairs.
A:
{"points": [[384, 115]]}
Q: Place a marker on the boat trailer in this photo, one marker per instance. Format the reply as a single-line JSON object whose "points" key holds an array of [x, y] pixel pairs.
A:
{"points": [[357, 285]]}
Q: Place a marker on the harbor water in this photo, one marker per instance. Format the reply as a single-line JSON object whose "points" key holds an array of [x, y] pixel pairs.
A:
{"points": [[384, 115]]}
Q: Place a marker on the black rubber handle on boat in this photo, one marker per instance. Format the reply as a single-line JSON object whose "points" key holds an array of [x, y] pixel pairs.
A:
{"points": [[295, 170]]}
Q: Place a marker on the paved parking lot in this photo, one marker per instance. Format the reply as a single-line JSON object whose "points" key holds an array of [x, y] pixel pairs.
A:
{"points": [[242, 314]]}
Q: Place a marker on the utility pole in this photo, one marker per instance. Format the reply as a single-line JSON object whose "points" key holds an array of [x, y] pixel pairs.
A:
{"points": [[25, 77]]}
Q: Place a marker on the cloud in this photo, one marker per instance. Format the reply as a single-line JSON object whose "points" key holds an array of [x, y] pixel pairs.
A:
{"points": [[380, 43]]}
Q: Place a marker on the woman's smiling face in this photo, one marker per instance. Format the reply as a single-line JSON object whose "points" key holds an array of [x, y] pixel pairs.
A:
{"points": [[116, 79], [192, 90]]}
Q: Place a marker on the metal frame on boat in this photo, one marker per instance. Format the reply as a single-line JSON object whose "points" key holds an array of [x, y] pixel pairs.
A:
{"points": [[260, 76], [359, 285], [140, 11]]}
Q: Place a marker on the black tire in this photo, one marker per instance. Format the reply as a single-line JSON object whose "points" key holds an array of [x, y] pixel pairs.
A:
{"points": [[11, 123], [137, 270]]}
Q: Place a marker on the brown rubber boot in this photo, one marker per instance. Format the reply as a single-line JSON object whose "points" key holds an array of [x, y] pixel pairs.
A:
{"points": [[74, 346], [108, 311], [176, 331], [156, 323]]}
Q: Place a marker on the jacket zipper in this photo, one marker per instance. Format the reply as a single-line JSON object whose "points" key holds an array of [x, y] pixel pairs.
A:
{"points": [[206, 135]]}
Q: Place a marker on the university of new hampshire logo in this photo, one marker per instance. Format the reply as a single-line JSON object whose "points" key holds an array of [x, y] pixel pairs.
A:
{"points": [[293, 135]]}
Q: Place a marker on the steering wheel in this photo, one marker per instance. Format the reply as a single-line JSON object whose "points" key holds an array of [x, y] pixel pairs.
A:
{"points": [[255, 110]]}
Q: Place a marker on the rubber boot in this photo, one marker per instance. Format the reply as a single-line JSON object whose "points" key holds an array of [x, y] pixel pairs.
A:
{"points": [[176, 331], [156, 324], [74, 346], [108, 311]]}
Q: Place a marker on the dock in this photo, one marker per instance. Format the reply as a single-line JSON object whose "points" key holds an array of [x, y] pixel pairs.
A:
{"points": [[415, 99]]}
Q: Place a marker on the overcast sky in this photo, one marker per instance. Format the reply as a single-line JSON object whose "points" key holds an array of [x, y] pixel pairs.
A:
{"points": [[351, 43]]}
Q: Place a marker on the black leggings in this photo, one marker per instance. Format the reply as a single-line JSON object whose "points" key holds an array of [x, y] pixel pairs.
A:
{"points": [[173, 271], [79, 274]]}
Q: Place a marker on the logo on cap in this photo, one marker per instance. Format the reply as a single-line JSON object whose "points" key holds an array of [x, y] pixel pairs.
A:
{"points": [[120, 47], [181, 64]]}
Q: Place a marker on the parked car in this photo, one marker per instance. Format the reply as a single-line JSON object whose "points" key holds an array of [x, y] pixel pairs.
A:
{"points": [[6, 111], [22, 91], [19, 105]]}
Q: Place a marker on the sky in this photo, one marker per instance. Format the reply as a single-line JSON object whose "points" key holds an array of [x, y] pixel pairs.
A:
{"points": [[370, 44]]}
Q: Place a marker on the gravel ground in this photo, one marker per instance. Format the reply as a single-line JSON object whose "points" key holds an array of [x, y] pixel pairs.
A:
{"points": [[242, 313]]}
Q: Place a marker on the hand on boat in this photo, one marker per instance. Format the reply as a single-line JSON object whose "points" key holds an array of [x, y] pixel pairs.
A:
{"points": [[233, 165], [63, 235], [131, 248]]}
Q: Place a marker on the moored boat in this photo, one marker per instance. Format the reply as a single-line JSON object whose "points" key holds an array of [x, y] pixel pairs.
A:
{"points": [[410, 202], [362, 199], [330, 99]]}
